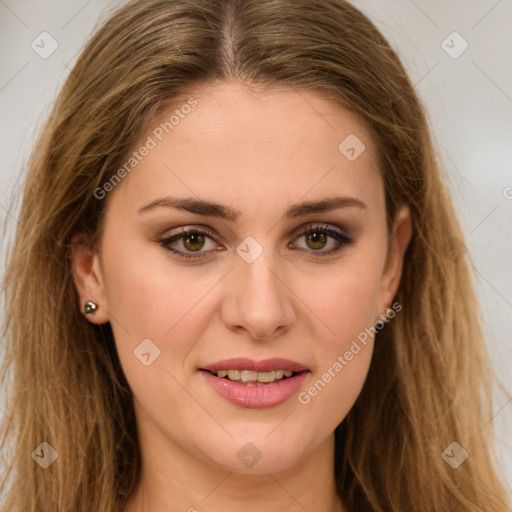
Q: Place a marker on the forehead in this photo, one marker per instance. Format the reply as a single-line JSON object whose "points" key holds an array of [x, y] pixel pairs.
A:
{"points": [[253, 144]]}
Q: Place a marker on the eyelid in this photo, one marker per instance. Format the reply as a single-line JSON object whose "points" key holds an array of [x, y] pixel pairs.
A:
{"points": [[185, 230]]}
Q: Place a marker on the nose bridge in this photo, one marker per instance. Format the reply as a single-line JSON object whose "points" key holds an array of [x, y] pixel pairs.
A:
{"points": [[260, 302]]}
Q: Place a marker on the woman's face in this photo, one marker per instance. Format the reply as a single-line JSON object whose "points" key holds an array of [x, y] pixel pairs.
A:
{"points": [[270, 272]]}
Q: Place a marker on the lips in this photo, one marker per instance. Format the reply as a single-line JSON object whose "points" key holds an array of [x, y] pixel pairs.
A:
{"points": [[256, 395]]}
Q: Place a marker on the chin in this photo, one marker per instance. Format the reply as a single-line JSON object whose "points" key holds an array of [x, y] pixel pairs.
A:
{"points": [[258, 455]]}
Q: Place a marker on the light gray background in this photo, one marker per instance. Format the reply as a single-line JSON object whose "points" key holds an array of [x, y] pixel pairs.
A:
{"points": [[469, 99]]}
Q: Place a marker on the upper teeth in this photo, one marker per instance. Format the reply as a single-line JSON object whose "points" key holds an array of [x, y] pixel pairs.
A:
{"points": [[250, 376]]}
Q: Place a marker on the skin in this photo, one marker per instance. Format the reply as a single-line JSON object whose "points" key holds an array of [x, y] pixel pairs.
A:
{"points": [[258, 152]]}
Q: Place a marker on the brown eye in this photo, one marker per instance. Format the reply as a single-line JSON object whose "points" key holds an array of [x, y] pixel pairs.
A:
{"points": [[194, 242], [316, 240], [188, 242]]}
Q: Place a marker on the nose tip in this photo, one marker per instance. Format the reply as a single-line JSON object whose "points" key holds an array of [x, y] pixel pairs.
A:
{"points": [[260, 303], [264, 332]]}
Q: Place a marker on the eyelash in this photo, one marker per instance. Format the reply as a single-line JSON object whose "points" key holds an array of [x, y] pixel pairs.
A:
{"points": [[338, 235]]}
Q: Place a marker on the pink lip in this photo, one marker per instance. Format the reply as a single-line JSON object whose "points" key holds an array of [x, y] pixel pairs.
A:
{"points": [[256, 397], [265, 365]]}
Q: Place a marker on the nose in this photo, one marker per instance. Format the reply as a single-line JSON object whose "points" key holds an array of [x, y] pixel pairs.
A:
{"points": [[258, 299]]}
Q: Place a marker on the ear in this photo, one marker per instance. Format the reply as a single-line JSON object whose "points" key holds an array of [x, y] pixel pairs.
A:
{"points": [[87, 276], [400, 238]]}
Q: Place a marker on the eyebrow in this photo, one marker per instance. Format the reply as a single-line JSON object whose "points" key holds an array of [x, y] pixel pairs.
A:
{"points": [[210, 209]]}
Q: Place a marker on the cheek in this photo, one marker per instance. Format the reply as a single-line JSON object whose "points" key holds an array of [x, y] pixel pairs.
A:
{"points": [[347, 304], [150, 298], [147, 292], [345, 297], [332, 391]]}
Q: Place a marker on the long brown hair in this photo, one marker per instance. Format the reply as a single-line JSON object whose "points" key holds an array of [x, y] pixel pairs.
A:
{"points": [[429, 383]]}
